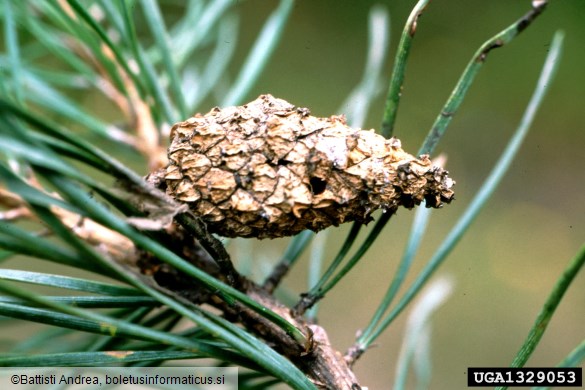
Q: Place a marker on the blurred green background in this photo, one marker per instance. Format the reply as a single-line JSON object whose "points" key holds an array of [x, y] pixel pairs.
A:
{"points": [[506, 265]]}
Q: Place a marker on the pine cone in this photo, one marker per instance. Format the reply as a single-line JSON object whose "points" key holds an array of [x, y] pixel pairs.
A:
{"points": [[269, 169]]}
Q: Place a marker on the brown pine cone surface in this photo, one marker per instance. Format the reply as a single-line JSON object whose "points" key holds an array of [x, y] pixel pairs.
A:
{"points": [[269, 169]]}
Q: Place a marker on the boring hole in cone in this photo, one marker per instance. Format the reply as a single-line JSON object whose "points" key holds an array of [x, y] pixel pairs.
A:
{"points": [[318, 185]]}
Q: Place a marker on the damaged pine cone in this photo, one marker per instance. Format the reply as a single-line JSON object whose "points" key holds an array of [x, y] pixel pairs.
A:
{"points": [[269, 169]]}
